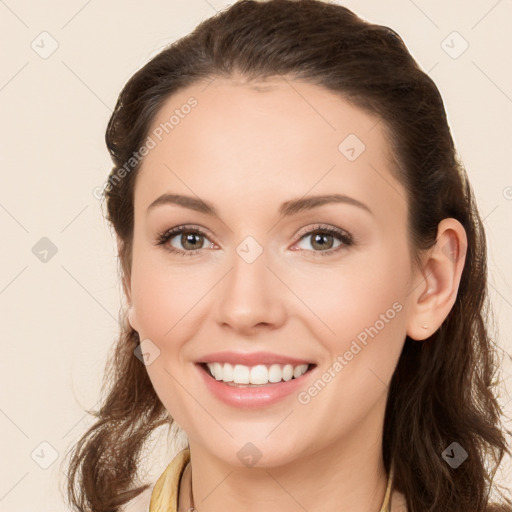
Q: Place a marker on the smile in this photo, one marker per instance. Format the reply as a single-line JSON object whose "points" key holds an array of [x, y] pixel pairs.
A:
{"points": [[259, 374], [255, 386]]}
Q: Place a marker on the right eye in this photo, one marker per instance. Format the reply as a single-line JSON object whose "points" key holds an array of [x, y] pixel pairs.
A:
{"points": [[191, 240]]}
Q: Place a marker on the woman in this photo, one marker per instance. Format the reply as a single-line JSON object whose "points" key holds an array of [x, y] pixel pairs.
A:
{"points": [[324, 344]]}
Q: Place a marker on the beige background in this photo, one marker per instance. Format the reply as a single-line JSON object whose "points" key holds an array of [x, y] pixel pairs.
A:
{"points": [[59, 317]]}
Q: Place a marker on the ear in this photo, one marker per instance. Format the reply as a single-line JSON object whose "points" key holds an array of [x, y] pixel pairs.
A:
{"points": [[132, 320], [125, 275], [127, 289], [439, 279]]}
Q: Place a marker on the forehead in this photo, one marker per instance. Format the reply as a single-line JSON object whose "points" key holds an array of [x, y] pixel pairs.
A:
{"points": [[230, 138]]}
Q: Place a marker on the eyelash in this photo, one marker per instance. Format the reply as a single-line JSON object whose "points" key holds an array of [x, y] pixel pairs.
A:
{"points": [[343, 236]]}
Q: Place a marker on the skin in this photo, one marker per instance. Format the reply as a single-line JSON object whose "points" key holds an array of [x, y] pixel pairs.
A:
{"points": [[246, 150]]}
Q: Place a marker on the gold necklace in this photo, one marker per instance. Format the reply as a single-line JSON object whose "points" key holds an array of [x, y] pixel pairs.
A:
{"points": [[385, 507]]}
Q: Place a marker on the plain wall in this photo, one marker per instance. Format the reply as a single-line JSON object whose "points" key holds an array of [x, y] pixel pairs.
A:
{"points": [[60, 315]]}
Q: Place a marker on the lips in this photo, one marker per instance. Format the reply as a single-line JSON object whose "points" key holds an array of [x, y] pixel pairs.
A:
{"points": [[250, 396], [252, 359]]}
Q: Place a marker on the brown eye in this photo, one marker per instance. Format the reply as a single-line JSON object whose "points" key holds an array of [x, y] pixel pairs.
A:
{"points": [[191, 241], [184, 241], [321, 241]]}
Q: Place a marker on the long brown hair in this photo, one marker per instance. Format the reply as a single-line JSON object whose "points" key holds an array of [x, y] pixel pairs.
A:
{"points": [[443, 388]]}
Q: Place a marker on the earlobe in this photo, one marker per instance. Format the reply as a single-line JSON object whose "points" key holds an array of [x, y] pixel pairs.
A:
{"points": [[126, 283], [435, 294], [125, 272], [132, 318], [127, 290]]}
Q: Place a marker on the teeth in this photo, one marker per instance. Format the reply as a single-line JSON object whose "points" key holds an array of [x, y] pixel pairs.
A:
{"points": [[258, 375], [241, 374]]}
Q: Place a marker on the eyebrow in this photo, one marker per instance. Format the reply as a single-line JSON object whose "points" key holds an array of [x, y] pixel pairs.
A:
{"points": [[286, 209]]}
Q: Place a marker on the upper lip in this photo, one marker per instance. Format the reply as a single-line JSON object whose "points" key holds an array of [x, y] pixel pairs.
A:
{"points": [[251, 359]]}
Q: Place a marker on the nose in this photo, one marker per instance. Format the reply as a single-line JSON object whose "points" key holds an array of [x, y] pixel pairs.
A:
{"points": [[250, 297]]}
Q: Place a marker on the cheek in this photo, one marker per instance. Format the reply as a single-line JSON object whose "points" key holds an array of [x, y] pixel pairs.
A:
{"points": [[366, 315], [162, 297], [163, 301], [348, 299], [370, 310], [364, 308], [155, 305]]}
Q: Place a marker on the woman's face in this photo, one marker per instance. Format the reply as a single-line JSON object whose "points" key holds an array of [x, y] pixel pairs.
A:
{"points": [[264, 268]]}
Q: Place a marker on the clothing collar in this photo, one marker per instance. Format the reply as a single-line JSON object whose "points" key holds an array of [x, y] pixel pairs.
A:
{"points": [[164, 497]]}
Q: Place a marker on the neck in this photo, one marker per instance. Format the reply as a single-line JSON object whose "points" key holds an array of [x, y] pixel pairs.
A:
{"points": [[348, 476]]}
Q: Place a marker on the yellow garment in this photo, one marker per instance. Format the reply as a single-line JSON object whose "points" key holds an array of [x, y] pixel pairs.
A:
{"points": [[164, 497]]}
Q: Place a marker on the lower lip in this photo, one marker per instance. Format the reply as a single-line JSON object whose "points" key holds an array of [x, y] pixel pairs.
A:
{"points": [[253, 397]]}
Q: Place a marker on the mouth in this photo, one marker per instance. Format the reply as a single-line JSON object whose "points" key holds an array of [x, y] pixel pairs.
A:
{"points": [[241, 376]]}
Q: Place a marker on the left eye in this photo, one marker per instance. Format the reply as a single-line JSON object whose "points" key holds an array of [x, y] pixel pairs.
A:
{"points": [[323, 240], [189, 240]]}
